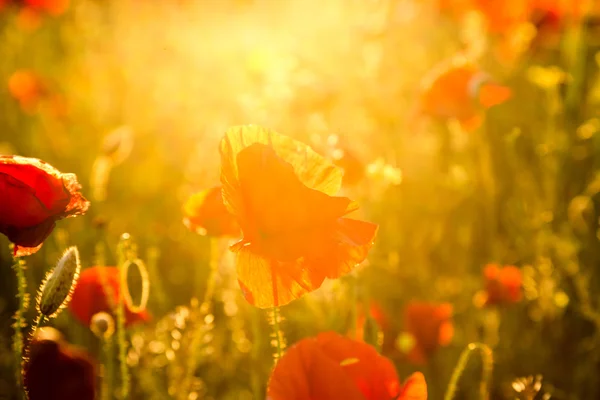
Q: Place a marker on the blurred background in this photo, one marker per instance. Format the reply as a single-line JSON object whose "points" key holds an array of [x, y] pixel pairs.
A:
{"points": [[153, 85]]}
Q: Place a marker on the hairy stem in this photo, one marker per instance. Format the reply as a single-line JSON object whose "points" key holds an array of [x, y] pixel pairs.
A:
{"points": [[20, 323]]}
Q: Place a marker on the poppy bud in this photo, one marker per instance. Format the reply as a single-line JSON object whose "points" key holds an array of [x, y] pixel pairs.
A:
{"points": [[55, 292]]}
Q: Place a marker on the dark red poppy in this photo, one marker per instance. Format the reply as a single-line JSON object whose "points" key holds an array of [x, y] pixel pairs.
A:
{"points": [[57, 370], [502, 284], [430, 325], [206, 214], [34, 196], [331, 366], [90, 296]]}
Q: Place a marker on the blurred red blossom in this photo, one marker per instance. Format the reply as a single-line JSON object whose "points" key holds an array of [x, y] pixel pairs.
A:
{"points": [[205, 213], [502, 284], [331, 366], [430, 326], [98, 290]]}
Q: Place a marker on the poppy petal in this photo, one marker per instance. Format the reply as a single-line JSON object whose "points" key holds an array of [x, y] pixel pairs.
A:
{"points": [[373, 374], [269, 282], [30, 239], [280, 211], [414, 388], [306, 372], [311, 169]]}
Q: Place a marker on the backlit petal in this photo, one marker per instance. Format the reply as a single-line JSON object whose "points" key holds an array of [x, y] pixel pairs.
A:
{"points": [[311, 169]]}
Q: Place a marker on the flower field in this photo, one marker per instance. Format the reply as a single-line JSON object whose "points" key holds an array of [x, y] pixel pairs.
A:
{"points": [[300, 200]]}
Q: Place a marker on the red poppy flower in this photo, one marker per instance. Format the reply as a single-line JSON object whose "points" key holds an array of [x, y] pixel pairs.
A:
{"points": [[502, 284], [57, 370], [376, 312], [331, 366], [281, 193], [430, 325], [206, 214], [34, 196], [89, 296]]}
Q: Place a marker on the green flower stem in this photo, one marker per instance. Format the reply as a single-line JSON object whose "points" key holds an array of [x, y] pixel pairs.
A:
{"points": [[109, 368], [121, 333], [20, 323], [487, 357]]}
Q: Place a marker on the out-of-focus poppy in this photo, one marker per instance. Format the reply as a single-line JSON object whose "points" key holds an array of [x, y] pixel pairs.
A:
{"points": [[282, 194], [56, 370], [90, 296], [458, 89], [206, 214], [354, 169], [430, 326], [27, 88], [374, 311], [34, 196], [502, 284], [330, 366]]}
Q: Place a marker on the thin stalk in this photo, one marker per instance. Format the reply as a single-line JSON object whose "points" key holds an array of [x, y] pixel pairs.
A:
{"points": [[121, 333], [20, 323], [487, 357], [109, 367]]}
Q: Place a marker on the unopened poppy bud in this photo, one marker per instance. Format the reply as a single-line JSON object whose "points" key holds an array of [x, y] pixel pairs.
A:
{"points": [[102, 325], [55, 291]]}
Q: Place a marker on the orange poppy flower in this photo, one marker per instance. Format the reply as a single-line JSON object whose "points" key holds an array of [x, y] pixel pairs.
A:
{"points": [[282, 194], [460, 90], [34, 196], [331, 366], [90, 298], [430, 325], [27, 88], [56, 370], [206, 214], [502, 284]]}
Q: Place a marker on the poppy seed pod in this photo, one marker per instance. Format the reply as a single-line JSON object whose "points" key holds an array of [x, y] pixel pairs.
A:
{"points": [[55, 292]]}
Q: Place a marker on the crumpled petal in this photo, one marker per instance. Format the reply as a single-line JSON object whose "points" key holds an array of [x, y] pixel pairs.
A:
{"points": [[310, 168], [268, 282]]}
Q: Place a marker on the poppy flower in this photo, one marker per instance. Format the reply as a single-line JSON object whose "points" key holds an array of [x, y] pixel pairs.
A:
{"points": [[34, 196], [27, 88], [90, 296], [430, 326], [460, 90], [502, 284], [56, 370], [206, 214], [330, 366], [376, 312], [354, 169], [294, 232]]}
